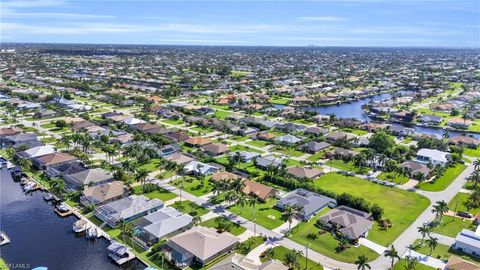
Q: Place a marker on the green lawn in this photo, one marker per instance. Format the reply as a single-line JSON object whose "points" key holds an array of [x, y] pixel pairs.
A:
{"points": [[359, 132], [402, 213], [239, 138], [316, 156], [471, 152], [160, 194], [393, 177], [235, 229], [258, 143], [290, 151], [451, 226], [457, 203], [3, 265], [248, 245], [443, 182], [244, 148], [442, 252], [195, 186], [202, 129], [346, 166], [189, 207], [279, 100], [280, 252], [222, 114], [400, 265], [326, 243], [151, 166], [173, 122], [266, 215]]}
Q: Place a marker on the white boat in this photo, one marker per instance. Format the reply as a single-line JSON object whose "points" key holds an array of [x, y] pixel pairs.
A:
{"points": [[79, 226], [48, 197], [92, 232], [4, 239], [62, 208], [29, 186]]}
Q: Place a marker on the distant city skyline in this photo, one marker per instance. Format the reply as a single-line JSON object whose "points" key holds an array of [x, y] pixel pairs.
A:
{"points": [[428, 23]]}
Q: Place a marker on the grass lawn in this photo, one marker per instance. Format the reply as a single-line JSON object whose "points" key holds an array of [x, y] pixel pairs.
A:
{"points": [[151, 166], [475, 126], [402, 213], [189, 207], [48, 126], [326, 243], [244, 148], [359, 132], [48, 140], [287, 151], [235, 229], [280, 252], [222, 114], [456, 204], [239, 138], [195, 186], [249, 244], [279, 100], [316, 156], [442, 252], [173, 122], [451, 226], [160, 194], [239, 73], [3, 265], [393, 177], [258, 143], [471, 152], [266, 215], [400, 265], [219, 107], [202, 129], [346, 166], [443, 182]]}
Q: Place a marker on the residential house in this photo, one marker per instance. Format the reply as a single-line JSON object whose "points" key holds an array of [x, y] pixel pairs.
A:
{"points": [[302, 172], [199, 245], [180, 158], [459, 123], [456, 263], [215, 149], [317, 131], [127, 209], [241, 262], [464, 141], [431, 119], [309, 202], [468, 242], [9, 131], [36, 152], [433, 156], [163, 223], [288, 139], [415, 169], [246, 156], [266, 162], [313, 147], [400, 130], [198, 141], [226, 176], [104, 193], [352, 223], [52, 159], [28, 140], [342, 153], [88, 177], [259, 190], [169, 150], [200, 168]]}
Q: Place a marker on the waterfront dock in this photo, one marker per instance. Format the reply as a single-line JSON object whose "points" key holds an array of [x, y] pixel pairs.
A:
{"points": [[66, 214]]}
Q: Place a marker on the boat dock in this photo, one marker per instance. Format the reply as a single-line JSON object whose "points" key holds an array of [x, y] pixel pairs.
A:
{"points": [[66, 214], [122, 260]]}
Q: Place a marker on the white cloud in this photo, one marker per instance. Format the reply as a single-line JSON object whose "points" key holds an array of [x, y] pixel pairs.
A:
{"points": [[323, 19]]}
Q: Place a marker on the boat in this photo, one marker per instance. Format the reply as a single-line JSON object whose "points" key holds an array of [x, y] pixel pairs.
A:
{"points": [[79, 226], [4, 239], [30, 186], [40, 268], [91, 232], [48, 197], [62, 208], [119, 253]]}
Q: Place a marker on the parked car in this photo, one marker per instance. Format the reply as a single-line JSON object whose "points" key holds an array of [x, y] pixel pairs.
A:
{"points": [[464, 214]]}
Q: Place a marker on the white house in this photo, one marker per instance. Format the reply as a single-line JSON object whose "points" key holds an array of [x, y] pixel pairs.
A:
{"points": [[468, 242], [433, 156]]}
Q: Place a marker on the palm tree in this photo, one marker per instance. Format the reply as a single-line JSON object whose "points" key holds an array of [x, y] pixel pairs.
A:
{"points": [[57, 185], [362, 262], [440, 208], [359, 160], [432, 244], [141, 176], [424, 230], [476, 164], [291, 258], [393, 254], [289, 212], [269, 253], [412, 247], [465, 117], [411, 263], [253, 201], [196, 220], [475, 178]]}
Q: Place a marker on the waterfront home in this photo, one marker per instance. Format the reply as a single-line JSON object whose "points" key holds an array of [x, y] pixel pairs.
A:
{"points": [[266, 162], [430, 119], [88, 177], [288, 139], [313, 147], [464, 141], [432, 156], [309, 202], [200, 168], [304, 173], [373, 127], [104, 193], [321, 119], [9, 131], [415, 169], [317, 131], [246, 156], [351, 223], [165, 222], [400, 130], [28, 140], [127, 209], [215, 149], [459, 123], [259, 190], [180, 158], [468, 242], [36, 152], [169, 150], [199, 245], [46, 161], [241, 262]]}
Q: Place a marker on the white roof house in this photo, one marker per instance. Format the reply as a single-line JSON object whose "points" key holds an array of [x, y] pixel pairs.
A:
{"points": [[37, 151], [199, 168], [433, 156], [133, 121], [468, 241]]}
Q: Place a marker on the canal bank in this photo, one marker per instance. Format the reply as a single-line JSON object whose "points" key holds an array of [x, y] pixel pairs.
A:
{"points": [[40, 238]]}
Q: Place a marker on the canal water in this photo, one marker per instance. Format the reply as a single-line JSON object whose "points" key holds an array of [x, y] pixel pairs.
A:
{"points": [[41, 238]]}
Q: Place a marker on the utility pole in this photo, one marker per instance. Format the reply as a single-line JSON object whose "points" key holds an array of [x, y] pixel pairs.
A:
{"points": [[306, 255]]}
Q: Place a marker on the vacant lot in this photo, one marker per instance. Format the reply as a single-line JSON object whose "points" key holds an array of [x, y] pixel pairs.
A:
{"points": [[266, 215]]}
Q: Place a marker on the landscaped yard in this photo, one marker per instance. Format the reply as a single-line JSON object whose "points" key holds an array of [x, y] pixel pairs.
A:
{"points": [[451, 226], [393, 177], [400, 265], [326, 243], [442, 252], [173, 122], [443, 182], [151, 166], [250, 244], [280, 252], [290, 151], [234, 229], [189, 207], [471, 152], [457, 203], [402, 213], [266, 215], [279, 100], [316, 156], [239, 147], [194, 186], [160, 194], [258, 143]]}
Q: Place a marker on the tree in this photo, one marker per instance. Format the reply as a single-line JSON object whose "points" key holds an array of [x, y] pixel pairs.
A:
{"points": [[291, 258], [391, 253], [440, 208], [141, 176], [196, 220], [476, 164], [269, 253], [362, 262], [411, 263], [57, 185], [475, 178], [289, 212], [432, 244], [253, 201], [381, 141], [424, 230]]}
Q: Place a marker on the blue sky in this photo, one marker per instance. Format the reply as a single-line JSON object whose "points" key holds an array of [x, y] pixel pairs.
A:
{"points": [[454, 23]]}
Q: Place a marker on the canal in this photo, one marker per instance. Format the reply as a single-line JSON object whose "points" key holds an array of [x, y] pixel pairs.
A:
{"points": [[41, 238]]}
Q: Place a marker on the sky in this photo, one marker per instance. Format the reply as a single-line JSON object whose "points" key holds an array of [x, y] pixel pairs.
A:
{"points": [[383, 23]]}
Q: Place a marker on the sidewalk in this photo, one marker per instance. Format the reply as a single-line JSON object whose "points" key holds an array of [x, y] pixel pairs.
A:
{"points": [[374, 246], [426, 260]]}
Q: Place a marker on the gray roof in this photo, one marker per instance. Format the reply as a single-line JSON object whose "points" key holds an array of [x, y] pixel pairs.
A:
{"points": [[311, 202], [314, 146], [165, 221], [288, 139], [22, 137], [267, 161], [128, 207], [88, 176], [354, 223], [469, 238]]}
